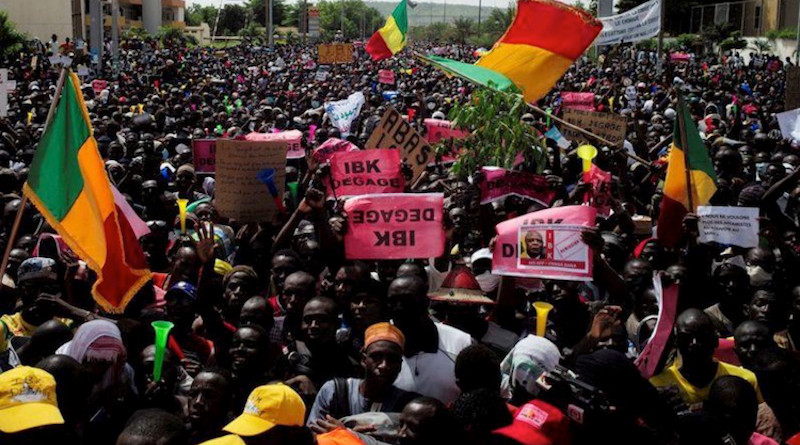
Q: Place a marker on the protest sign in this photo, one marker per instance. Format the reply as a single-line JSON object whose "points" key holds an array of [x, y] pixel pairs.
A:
{"points": [[367, 172], [608, 125], [293, 139], [204, 155], [250, 179], [736, 226], [438, 129], [394, 226], [343, 112], [578, 101], [639, 23], [322, 75], [335, 53], [499, 183], [600, 197], [789, 123], [680, 58], [545, 244], [324, 152], [559, 138], [386, 76], [395, 132], [99, 85], [649, 360], [792, 93]]}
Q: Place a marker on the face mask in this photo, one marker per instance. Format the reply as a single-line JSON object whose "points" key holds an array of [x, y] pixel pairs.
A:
{"points": [[315, 104], [758, 276], [761, 168], [488, 282]]}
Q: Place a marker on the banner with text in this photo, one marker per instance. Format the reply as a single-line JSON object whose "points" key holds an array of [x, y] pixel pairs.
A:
{"points": [[394, 132], [639, 23], [293, 139], [578, 101], [438, 129], [545, 244], [499, 183], [367, 172], [325, 152], [343, 112], [736, 226], [600, 196], [386, 76], [394, 226], [250, 179], [607, 125], [204, 155], [335, 53]]}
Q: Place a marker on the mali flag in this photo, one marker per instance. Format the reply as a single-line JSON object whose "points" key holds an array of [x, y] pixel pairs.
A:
{"points": [[390, 39], [690, 171], [543, 41], [69, 186]]}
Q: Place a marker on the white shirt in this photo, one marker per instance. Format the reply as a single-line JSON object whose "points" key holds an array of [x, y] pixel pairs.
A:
{"points": [[433, 374]]}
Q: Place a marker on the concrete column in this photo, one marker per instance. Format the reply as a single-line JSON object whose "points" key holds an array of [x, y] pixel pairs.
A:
{"points": [[151, 15]]}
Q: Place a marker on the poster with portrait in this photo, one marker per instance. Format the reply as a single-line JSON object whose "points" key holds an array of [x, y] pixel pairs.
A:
{"points": [[553, 251]]}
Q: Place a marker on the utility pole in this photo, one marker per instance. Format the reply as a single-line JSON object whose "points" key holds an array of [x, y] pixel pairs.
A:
{"points": [[480, 3], [341, 20], [269, 24], [96, 33], [445, 11], [660, 43], [115, 35], [797, 43]]}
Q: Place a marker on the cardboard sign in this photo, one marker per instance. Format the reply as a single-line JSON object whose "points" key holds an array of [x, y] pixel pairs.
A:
{"points": [[386, 76], [367, 172], [438, 129], [325, 152], [241, 194], [395, 132], [545, 244], [500, 183], [293, 139], [792, 93], [394, 226], [335, 53], [736, 226], [578, 101], [610, 126], [99, 85], [204, 155], [600, 196]]}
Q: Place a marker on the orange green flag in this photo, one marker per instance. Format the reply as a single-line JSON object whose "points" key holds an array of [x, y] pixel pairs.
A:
{"points": [[543, 41], [690, 172], [69, 186], [390, 39]]}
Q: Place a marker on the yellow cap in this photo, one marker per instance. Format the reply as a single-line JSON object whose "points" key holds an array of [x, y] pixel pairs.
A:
{"points": [[222, 267], [230, 439], [27, 400], [268, 406]]}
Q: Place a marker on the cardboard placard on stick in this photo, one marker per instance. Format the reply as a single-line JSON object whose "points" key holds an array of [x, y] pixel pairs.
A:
{"points": [[792, 92], [610, 126], [395, 132], [335, 53], [242, 166]]}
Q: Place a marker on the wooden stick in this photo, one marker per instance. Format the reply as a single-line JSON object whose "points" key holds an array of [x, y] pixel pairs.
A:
{"points": [[656, 148], [685, 148], [18, 218]]}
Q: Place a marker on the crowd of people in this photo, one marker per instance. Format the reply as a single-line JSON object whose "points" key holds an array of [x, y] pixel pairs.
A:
{"points": [[279, 339]]}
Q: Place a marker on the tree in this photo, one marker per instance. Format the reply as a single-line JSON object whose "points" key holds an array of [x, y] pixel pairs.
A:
{"points": [[499, 20], [196, 14], [232, 18], [291, 14], [359, 19], [462, 29], [761, 46], [172, 36], [258, 9], [11, 40]]}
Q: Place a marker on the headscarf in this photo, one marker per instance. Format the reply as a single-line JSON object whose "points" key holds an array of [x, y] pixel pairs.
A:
{"points": [[531, 357], [98, 340]]}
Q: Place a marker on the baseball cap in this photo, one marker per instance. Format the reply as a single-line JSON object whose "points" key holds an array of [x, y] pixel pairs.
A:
{"points": [[37, 268], [266, 407], [183, 287], [27, 400], [230, 439], [538, 423]]}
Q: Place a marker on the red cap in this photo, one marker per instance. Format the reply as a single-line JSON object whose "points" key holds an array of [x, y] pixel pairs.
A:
{"points": [[538, 423]]}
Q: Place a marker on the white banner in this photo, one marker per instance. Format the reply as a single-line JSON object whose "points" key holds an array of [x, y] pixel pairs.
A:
{"points": [[343, 112], [728, 225], [641, 22], [789, 123]]}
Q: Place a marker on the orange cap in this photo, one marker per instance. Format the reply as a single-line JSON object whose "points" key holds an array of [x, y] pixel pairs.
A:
{"points": [[384, 332]]}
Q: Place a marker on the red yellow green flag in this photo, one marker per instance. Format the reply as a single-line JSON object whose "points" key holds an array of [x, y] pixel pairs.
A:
{"points": [[69, 186], [690, 171], [390, 39]]}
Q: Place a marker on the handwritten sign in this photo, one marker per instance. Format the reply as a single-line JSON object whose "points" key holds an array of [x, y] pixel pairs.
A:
{"points": [[293, 139], [325, 152], [394, 226], [386, 76], [499, 183], [241, 194], [607, 125], [736, 226], [335, 53], [394, 132], [578, 101], [367, 172], [600, 196], [204, 155]]}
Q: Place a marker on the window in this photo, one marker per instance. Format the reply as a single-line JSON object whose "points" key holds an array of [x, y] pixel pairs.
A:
{"points": [[757, 18]]}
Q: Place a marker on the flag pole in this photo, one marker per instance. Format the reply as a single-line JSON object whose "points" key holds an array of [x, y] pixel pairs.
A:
{"points": [[18, 217], [685, 149]]}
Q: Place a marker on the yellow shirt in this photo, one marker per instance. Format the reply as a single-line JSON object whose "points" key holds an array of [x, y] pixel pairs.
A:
{"points": [[14, 326], [693, 395]]}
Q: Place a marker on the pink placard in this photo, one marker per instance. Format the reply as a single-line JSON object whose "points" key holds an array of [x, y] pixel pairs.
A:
{"points": [[500, 183], [293, 139], [367, 172], [204, 155], [438, 129], [386, 76], [394, 226], [99, 85], [601, 190], [649, 359], [324, 152], [559, 231], [578, 101]]}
